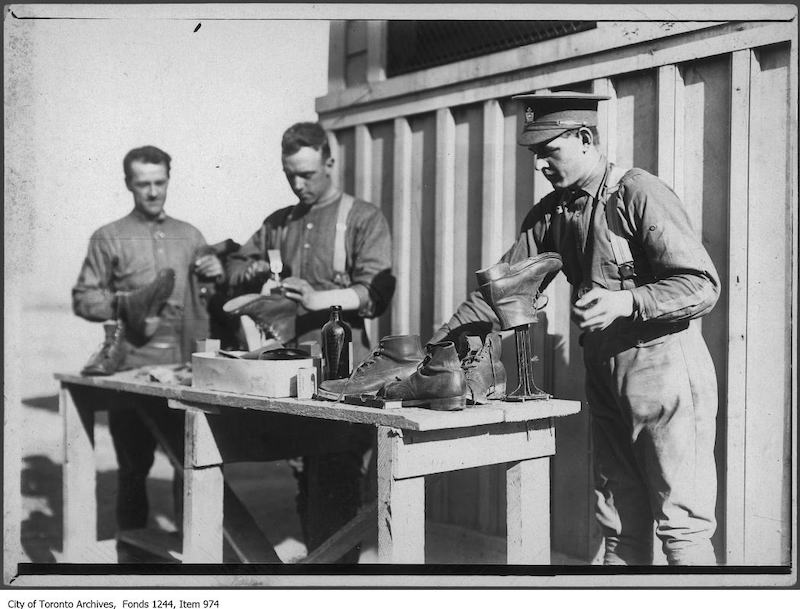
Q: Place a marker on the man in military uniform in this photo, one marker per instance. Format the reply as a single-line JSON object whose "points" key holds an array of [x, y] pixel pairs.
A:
{"points": [[335, 250], [639, 274]]}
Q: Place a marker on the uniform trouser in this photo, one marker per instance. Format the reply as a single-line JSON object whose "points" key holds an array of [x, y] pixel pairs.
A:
{"points": [[133, 441], [653, 408], [331, 487]]}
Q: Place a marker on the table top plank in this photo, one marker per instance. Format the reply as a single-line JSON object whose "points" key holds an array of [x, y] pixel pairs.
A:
{"points": [[416, 419]]}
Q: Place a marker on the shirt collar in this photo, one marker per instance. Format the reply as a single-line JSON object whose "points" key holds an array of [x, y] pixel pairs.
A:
{"points": [[590, 185], [331, 196], [148, 219]]}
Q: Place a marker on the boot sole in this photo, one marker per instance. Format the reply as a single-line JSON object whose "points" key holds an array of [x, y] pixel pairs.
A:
{"points": [[499, 393], [334, 396], [444, 404]]}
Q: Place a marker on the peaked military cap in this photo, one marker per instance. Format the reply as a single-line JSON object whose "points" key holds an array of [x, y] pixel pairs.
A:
{"points": [[548, 115]]}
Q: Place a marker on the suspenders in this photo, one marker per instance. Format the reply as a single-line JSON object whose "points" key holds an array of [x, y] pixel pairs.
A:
{"points": [[609, 195], [340, 275]]}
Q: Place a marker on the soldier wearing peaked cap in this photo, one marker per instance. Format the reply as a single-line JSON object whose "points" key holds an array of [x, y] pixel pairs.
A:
{"points": [[639, 274]]}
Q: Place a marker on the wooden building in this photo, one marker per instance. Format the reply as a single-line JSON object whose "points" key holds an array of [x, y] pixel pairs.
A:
{"points": [[709, 106]]}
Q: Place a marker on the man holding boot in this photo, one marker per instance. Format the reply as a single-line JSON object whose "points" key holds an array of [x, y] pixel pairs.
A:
{"points": [[151, 276], [332, 249], [639, 274]]}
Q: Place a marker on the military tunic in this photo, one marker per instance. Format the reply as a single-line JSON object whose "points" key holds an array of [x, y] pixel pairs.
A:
{"points": [[650, 382]]}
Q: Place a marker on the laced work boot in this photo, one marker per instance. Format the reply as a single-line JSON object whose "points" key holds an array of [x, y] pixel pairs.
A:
{"points": [[438, 383], [513, 290], [485, 373], [111, 354], [395, 358], [137, 306], [273, 314]]}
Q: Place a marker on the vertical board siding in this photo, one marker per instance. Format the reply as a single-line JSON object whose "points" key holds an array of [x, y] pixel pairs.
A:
{"points": [[492, 173], [404, 308], [446, 227], [735, 392], [768, 418], [705, 127], [346, 160], [423, 222], [637, 120], [468, 200], [381, 193]]}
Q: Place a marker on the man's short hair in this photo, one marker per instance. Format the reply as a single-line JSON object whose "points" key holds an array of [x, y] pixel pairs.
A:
{"points": [[145, 154], [305, 135]]}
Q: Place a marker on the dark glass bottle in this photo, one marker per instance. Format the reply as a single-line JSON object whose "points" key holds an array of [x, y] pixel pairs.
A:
{"points": [[337, 346]]}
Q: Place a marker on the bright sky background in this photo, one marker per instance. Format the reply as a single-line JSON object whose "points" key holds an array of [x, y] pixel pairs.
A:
{"points": [[217, 100]]}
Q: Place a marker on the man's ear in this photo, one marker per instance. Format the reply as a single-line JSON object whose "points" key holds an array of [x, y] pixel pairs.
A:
{"points": [[329, 162], [128, 184], [586, 136]]}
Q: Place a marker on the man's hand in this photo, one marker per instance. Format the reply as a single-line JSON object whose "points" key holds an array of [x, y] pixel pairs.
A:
{"points": [[257, 267], [208, 266], [302, 293], [596, 309]]}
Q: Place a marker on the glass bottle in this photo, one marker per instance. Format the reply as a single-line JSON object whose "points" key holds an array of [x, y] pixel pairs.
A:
{"points": [[337, 346]]}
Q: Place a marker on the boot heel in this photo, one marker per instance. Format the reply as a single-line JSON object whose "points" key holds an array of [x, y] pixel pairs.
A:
{"points": [[454, 403]]}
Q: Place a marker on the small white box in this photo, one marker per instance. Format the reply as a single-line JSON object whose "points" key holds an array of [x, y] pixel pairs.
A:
{"points": [[306, 383], [269, 378]]}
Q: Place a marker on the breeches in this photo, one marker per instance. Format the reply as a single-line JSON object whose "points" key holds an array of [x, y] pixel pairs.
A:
{"points": [[653, 407]]}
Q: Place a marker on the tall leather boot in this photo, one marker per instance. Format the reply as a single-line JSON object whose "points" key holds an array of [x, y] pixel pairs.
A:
{"points": [[512, 290], [144, 303], [395, 358], [438, 383], [275, 315], [485, 373], [111, 354]]}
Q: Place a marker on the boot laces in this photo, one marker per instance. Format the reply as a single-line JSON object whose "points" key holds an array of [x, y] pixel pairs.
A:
{"points": [[471, 359], [361, 369]]}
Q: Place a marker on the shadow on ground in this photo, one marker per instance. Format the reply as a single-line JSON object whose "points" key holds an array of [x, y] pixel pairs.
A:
{"points": [[44, 402], [42, 529]]}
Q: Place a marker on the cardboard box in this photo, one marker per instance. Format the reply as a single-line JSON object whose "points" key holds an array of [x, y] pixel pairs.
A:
{"points": [[269, 378]]}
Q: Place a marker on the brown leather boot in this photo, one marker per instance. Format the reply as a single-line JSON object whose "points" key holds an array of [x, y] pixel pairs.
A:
{"points": [[485, 373], [274, 314], [438, 383], [111, 354], [512, 290], [395, 358], [137, 306]]}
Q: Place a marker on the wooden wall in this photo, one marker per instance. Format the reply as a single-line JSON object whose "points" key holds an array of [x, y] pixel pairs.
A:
{"points": [[706, 107]]}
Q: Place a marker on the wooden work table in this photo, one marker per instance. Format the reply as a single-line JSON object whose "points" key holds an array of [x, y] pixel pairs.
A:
{"points": [[412, 443]]}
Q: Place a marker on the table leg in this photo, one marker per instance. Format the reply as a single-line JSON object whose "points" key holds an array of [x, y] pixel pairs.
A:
{"points": [[401, 507], [528, 512], [203, 491], [79, 478]]}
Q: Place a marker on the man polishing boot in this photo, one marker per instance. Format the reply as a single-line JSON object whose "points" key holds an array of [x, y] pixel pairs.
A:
{"points": [[438, 383], [483, 370], [513, 290], [396, 357]]}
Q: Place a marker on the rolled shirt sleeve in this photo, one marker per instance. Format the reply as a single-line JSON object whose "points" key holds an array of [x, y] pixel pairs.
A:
{"points": [[371, 261]]}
